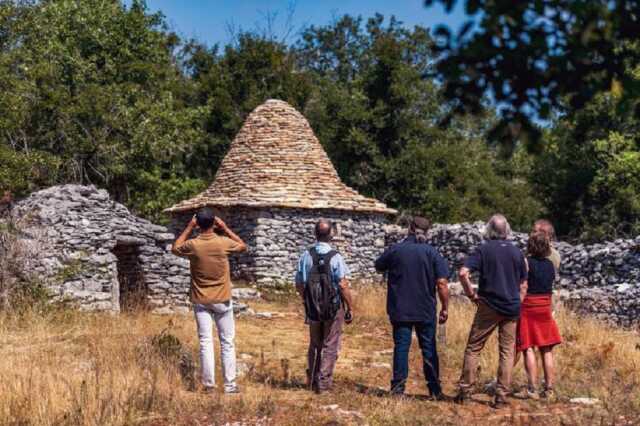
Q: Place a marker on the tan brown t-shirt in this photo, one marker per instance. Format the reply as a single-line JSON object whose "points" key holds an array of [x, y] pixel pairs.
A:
{"points": [[554, 257], [210, 272]]}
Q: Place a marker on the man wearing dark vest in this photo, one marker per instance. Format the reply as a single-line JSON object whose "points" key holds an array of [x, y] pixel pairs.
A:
{"points": [[415, 270], [324, 333]]}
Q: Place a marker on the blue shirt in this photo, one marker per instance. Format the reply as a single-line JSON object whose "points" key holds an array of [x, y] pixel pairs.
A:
{"points": [[541, 275], [502, 268], [413, 269], [339, 269]]}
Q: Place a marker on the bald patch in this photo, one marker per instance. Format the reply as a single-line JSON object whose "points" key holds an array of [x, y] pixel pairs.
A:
{"points": [[323, 229]]}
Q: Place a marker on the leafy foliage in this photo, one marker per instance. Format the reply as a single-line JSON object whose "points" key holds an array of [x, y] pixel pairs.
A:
{"points": [[378, 116], [536, 57], [96, 92]]}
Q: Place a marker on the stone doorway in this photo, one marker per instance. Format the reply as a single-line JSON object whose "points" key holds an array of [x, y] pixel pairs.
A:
{"points": [[133, 289]]}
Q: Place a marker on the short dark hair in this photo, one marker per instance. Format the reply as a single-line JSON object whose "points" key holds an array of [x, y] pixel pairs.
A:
{"points": [[205, 218], [323, 229], [539, 245], [421, 223]]}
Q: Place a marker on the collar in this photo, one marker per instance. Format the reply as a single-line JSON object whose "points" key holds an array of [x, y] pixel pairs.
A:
{"points": [[208, 236], [410, 239], [323, 244]]}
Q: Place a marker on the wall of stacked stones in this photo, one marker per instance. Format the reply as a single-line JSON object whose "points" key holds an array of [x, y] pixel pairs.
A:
{"points": [[243, 222], [283, 234], [600, 279], [276, 237], [73, 231]]}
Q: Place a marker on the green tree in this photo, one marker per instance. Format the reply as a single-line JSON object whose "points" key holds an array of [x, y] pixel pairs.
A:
{"points": [[231, 84], [94, 86], [539, 57], [588, 175], [377, 115]]}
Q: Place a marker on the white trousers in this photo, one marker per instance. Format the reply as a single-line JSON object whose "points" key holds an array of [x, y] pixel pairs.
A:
{"points": [[222, 314]]}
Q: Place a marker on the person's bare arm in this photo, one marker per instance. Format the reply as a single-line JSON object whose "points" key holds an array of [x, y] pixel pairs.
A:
{"points": [[229, 233], [185, 234], [465, 280], [346, 292], [524, 286], [443, 295]]}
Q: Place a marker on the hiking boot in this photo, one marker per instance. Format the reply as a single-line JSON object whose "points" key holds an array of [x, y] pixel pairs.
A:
{"points": [[500, 401], [527, 393]]}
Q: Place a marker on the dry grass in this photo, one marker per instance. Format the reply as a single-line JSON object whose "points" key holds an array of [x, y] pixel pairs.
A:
{"points": [[67, 367]]}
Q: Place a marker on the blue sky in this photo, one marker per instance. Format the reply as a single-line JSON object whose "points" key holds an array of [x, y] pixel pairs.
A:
{"points": [[209, 20]]}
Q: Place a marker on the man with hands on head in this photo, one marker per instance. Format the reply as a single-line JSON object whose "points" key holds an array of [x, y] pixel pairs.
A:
{"points": [[415, 271], [210, 291]]}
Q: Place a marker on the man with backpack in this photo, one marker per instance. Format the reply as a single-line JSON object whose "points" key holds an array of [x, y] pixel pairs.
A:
{"points": [[321, 282], [415, 271]]}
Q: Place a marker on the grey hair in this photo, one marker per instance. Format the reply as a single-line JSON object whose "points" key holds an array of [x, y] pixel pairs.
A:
{"points": [[497, 228]]}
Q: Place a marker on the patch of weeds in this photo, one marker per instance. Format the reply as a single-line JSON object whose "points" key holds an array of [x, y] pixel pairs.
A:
{"points": [[70, 270], [171, 350], [266, 407]]}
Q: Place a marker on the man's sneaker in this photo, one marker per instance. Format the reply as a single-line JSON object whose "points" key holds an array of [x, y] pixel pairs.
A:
{"points": [[500, 401], [397, 390], [233, 390], [527, 393], [438, 397], [490, 387], [208, 389], [549, 395], [462, 397]]}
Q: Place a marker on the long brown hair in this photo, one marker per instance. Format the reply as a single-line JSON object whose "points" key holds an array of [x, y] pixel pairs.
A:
{"points": [[539, 245]]}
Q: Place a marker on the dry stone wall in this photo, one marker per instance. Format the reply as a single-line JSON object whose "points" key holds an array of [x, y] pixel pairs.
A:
{"points": [[276, 237], [85, 242], [600, 279]]}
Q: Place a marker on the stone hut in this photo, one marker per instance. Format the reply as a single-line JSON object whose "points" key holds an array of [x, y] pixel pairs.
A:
{"points": [[92, 251], [274, 184]]}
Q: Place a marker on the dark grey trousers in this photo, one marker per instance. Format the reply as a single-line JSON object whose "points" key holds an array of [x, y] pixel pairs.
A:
{"points": [[324, 345]]}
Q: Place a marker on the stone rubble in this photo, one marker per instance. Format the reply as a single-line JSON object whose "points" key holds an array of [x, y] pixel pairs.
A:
{"points": [[83, 230]]}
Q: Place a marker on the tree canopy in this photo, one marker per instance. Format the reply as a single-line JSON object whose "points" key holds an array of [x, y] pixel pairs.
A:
{"points": [[539, 58], [97, 92]]}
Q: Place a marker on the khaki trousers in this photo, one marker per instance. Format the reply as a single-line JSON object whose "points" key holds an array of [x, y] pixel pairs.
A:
{"points": [[485, 322]]}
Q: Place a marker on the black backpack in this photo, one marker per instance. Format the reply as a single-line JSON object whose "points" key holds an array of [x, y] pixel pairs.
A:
{"points": [[321, 298]]}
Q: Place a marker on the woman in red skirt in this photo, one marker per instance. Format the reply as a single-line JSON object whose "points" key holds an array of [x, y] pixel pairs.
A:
{"points": [[537, 328]]}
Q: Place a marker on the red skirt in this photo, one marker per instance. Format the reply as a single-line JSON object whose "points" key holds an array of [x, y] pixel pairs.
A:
{"points": [[536, 327]]}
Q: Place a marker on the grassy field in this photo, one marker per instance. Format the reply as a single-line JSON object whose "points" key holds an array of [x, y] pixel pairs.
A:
{"points": [[71, 368]]}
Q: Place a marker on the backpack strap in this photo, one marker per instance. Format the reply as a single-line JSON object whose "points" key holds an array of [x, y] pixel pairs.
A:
{"points": [[317, 258]]}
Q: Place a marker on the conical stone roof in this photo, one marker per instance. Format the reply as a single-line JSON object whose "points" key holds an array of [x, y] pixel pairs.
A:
{"points": [[277, 161]]}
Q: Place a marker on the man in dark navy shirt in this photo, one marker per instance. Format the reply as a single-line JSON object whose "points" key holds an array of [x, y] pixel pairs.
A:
{"points": [[502, 286], [414, 270]]}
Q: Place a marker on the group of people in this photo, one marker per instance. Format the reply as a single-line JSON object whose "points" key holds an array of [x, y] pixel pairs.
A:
{"points": [[513, 296]]}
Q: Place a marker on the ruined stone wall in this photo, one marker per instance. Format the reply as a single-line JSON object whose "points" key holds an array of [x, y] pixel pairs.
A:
{"points": [[600, 279], [276, 237], [77, 229]]}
